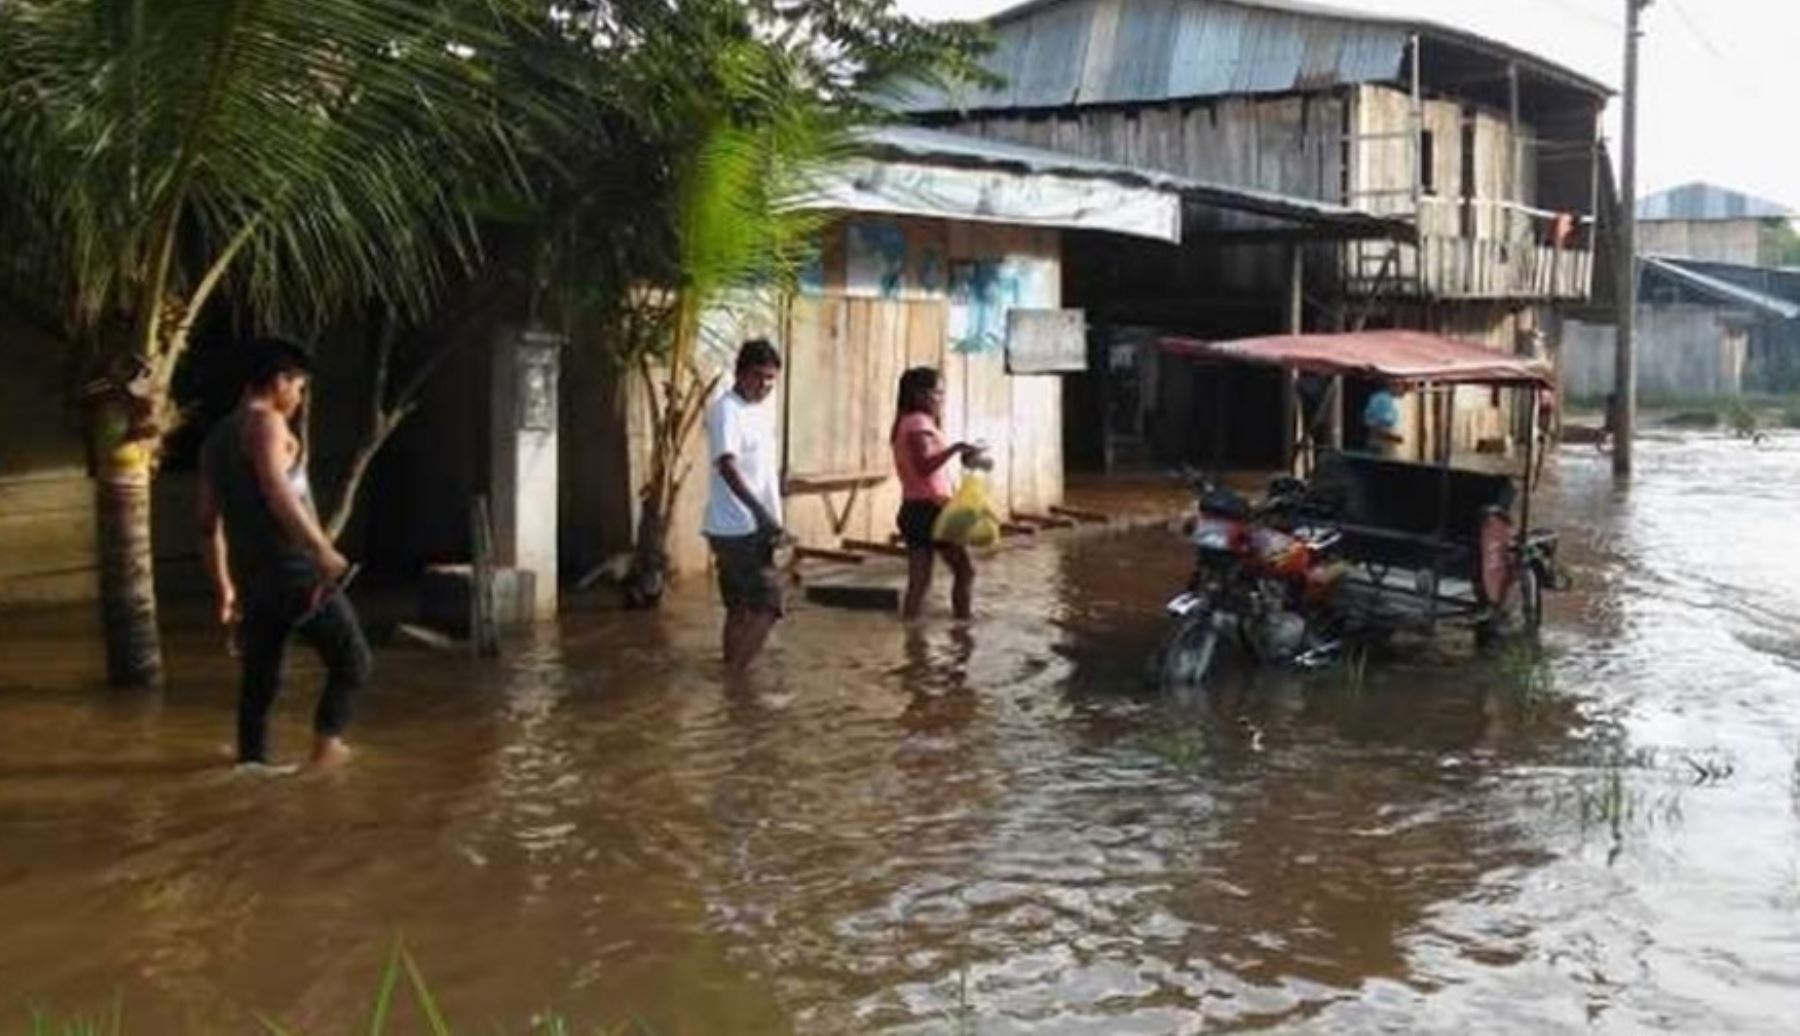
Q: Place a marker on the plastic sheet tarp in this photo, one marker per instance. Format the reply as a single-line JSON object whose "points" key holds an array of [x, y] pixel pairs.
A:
{"points": [[999, 196]]}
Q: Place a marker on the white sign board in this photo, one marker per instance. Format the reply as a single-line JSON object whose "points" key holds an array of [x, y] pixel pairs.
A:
{"points": [[1046, 341]]}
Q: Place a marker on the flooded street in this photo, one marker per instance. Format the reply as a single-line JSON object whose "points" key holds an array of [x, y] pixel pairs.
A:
{"points": [[991, 830]]}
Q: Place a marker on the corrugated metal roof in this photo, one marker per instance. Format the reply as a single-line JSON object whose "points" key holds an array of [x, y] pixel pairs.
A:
{"points": [[1782, 282], [1056, 53], [1705, 201], [1722, 291], [929, 145], [1413, 357]]}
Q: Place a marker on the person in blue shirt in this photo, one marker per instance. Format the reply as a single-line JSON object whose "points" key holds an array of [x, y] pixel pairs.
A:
{"points": [[1381, 417]]}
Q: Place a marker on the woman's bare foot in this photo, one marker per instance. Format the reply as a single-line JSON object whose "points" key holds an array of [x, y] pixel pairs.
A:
{"points": [[329, 753]]}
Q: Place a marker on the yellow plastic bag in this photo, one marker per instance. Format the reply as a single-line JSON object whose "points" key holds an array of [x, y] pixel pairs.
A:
{"points": [[967, 518]]}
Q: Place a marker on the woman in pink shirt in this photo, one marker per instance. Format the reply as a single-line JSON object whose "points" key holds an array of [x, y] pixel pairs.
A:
{"points": [[920, 459]]}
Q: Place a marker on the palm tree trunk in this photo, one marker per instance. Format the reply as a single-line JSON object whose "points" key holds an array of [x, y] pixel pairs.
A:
{"points": [[673, 422], [127, 574], [648, 578]]}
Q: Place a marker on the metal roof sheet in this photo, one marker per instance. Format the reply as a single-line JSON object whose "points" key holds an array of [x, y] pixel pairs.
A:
{"points": [[1056, 53], [1723, 291], [1705, 202], [1411, 357], [929, 145]]}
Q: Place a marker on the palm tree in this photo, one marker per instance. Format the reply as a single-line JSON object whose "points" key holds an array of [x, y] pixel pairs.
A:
{"points": [[724, 110], [748, 133], [303, 155]]}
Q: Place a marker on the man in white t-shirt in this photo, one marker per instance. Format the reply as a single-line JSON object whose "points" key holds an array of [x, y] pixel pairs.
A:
{"points": [[743, 502]]}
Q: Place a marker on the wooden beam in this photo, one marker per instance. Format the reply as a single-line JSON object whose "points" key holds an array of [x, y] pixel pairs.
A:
{"points": [[1293, 433], [829, 482], [1283, 235], [1336, 403], [871, 547], [1296, 289], [1515, 129], [1044, 520], [855, 598], [827, 554]]}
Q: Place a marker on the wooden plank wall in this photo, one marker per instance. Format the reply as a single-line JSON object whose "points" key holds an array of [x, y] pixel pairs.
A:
{"points": [[1284, 144], [46, 500], [845, 348], [1478, 413], [847, 356], [47, 527]]}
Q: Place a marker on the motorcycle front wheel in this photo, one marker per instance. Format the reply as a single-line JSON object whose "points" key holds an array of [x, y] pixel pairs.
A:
{"points": [[1188, 650], [1520, 616]]}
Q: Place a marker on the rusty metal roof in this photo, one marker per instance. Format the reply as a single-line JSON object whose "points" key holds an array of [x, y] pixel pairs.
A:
{"points": [[1058, 53], [1408, 357], [945, 148]]}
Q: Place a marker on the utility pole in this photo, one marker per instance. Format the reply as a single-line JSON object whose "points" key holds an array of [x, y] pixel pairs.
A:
{"points": [[1624, 415]]}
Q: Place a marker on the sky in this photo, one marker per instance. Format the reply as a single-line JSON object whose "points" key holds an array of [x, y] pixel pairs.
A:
{"points": [[1720, 77]]}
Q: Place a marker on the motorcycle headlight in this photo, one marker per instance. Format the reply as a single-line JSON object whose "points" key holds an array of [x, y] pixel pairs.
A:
{"points": [[1214, 534]]}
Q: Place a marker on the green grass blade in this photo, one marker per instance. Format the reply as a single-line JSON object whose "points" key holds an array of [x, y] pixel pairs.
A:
{"points": [[423, 995], [384, 997]]}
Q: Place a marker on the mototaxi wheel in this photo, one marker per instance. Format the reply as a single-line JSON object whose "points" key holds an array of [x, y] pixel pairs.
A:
{"points": [[1521, 614], [1531, 598], [1187, 653]]}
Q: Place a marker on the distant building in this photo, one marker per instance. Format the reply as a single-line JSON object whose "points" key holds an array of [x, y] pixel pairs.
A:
{"points": [[1706, 222], [1717, 314], [1704, 331]]}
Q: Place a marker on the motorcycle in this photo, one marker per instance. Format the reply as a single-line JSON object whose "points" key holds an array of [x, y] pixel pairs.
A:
{"points": [[1264, 579]]}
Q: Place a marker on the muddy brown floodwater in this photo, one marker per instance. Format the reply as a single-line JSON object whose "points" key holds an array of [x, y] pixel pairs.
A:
{"points": [[992, 830]]}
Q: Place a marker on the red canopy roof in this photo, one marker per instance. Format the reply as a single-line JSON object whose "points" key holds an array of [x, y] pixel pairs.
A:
{"points": [[1412, 357]]}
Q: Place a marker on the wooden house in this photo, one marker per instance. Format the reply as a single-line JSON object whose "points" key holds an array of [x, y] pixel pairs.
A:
{"points": [[944, 251], [1490, 156], [1713, 224]]}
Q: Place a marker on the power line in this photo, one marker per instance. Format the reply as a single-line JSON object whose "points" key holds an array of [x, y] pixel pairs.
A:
{"points": [[1744, 73], [1694, 30], [1593, 17]]}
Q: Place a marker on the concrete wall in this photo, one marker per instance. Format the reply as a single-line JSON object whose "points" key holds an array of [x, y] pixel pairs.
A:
{"points": [[1684, 351]]}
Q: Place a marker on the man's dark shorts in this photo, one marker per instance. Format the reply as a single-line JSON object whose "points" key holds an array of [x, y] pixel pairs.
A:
{"points": [[748, 579]]}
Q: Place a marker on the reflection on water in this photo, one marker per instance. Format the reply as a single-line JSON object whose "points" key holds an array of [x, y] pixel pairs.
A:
{"points": [[995, 828]]}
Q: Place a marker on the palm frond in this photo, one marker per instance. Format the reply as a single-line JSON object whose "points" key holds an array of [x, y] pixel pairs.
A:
{"points": [[351, 133], [760, 137]]}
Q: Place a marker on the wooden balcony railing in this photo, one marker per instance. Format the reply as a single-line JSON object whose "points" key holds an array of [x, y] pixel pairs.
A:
{"points": [[1470, 268]]}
